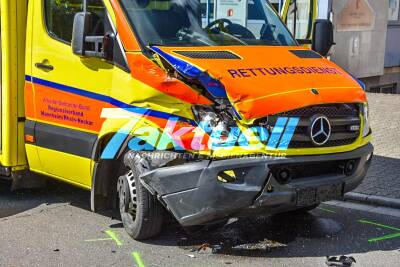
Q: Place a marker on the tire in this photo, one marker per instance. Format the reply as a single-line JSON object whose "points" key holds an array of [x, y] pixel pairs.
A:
{"points": [[141, 214]]}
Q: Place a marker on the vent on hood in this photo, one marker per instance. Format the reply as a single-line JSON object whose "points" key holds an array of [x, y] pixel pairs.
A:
{"points": [[208, 54], [306, 54]]}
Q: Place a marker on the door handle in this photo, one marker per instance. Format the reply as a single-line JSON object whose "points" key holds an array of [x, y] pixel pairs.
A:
{"points": [[44, 66]]}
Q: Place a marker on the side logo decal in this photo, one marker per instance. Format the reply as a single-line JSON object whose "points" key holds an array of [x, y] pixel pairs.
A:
{"points": [[153, 139]]}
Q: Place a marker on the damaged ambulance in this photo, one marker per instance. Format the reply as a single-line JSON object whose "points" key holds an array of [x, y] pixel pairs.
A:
{"points": [[204, 109]]}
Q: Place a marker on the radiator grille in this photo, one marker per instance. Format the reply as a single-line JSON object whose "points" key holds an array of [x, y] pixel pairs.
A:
{"points": [[342, 117]]}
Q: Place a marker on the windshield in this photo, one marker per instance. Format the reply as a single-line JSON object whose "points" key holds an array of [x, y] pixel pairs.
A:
{"points": [[206, 23]]}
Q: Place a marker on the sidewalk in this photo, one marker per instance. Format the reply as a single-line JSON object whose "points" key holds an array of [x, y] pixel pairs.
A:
{"points": [[383, 178]]}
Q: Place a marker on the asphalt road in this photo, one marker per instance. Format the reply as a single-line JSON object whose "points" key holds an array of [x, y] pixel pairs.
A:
{"points": [[54, 227]]}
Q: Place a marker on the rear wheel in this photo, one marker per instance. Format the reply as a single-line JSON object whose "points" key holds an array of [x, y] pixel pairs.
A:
{"points": [[141, 213]]}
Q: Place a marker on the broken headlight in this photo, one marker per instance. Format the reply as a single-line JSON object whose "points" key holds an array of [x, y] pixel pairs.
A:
{"points": [[214, 121]]}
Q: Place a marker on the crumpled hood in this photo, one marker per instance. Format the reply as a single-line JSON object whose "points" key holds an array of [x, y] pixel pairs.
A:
{"points": [[261, 81]]}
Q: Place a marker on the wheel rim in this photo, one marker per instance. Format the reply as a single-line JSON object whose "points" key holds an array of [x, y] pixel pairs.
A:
{"points": [[128, 195]]}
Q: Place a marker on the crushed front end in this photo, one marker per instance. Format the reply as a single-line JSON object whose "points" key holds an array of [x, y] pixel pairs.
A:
{"points": [[303, 142], [208, 190]]}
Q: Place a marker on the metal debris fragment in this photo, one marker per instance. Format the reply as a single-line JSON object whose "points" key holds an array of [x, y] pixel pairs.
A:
{"points": [[342, 261]]}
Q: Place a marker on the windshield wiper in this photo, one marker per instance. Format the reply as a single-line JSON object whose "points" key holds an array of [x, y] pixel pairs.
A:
{"points": [[192, 35]]}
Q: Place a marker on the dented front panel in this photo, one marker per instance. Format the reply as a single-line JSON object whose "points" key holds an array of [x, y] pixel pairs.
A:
{"points": [[263, 81]]}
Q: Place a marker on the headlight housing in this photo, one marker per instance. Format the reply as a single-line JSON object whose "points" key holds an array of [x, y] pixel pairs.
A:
{"points": [[218, 123], [365, 113]]}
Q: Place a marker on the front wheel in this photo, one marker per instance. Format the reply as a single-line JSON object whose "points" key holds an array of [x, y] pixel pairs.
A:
{"points": [[141, 213]]}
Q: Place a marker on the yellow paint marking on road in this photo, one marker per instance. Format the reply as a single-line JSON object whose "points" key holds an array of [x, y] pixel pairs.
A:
{"points": [[138, 259], [114, 237], [376, 239], [98, 239], [327, 210]]}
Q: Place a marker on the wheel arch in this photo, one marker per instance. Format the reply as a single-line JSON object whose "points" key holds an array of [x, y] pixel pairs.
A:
{"points": [[104, 175], [105, 172]]}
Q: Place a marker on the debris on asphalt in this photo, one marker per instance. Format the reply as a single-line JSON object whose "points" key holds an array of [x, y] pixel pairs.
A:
{"points": [[343, 261], [206, 248], [241, 236], [262, 245], [216, 249], [191, 256], [203, 247]]}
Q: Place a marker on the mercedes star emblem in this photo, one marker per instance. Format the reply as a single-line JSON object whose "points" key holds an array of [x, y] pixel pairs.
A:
{"points": [[320, 130]]}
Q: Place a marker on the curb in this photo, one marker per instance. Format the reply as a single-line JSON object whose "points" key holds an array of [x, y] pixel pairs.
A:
{"points": [[374, 200]]}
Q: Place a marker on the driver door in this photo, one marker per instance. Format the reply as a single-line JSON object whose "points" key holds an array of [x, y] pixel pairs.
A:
{"points": [[66, 89]]}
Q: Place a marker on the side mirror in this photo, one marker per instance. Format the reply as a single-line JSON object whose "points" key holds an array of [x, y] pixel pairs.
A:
{"points": [[84, 44], [80, 30], [322, 39]]}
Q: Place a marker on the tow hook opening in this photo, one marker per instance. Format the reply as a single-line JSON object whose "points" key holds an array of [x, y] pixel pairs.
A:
{"points": [[284, 176], [350, 167], [286, 173]]}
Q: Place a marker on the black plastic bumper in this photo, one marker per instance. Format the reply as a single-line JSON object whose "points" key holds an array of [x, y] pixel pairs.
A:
{"points": [[195, 196]]}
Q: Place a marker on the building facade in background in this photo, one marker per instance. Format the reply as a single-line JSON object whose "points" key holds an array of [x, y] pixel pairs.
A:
{"points": [[367, 33], [367, 36], [389, 82]]}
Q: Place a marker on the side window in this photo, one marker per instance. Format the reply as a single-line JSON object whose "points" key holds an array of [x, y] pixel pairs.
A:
{"points": [[299, 18], [59, 17], [97, 8]]}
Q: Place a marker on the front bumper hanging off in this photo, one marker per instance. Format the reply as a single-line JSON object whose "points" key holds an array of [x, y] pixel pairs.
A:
{"points": [[195, 195]]}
